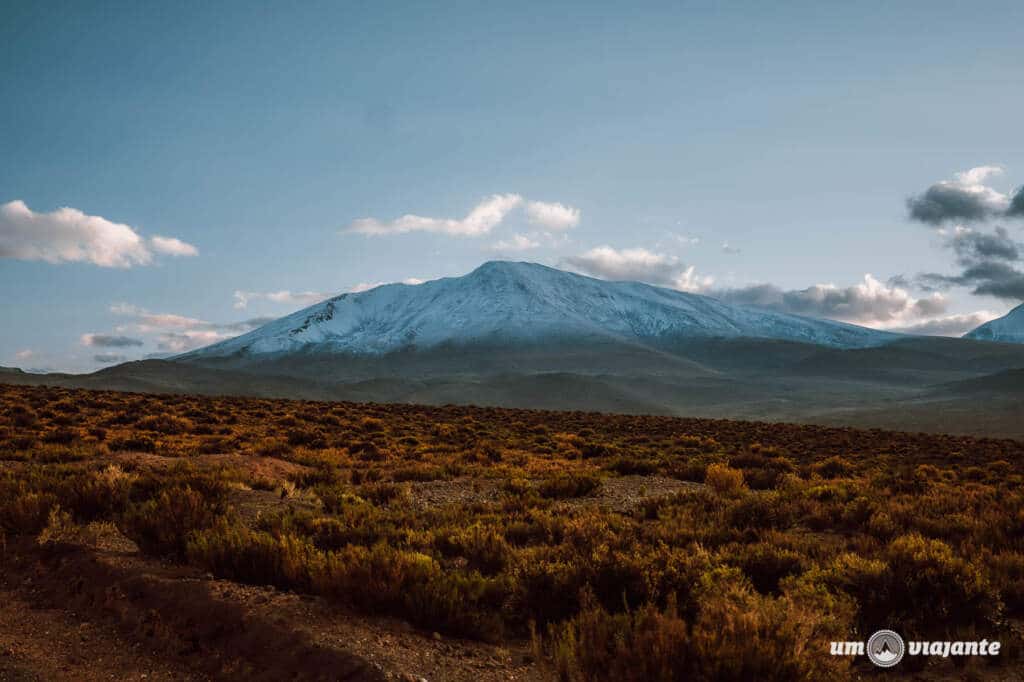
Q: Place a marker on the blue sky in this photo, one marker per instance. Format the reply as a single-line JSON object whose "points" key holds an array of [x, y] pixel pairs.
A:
{"points": [[634, 141]]}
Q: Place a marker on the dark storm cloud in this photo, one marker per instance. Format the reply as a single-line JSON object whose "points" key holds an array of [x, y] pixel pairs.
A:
{"points": [[965, 199], [988, 265], [991, 278], [971, 245], [996, 279], [1016, 209], [947, 202]]}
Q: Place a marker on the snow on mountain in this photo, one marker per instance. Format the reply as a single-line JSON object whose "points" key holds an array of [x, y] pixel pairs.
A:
{"points": [[519, 303], [1009, 328]]}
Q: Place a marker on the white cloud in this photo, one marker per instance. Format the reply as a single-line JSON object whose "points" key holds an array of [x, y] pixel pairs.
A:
{"points": [[303, 298], [24, 354], [146, 321], [518, 242], [553, 216], [978, 175], [484, 217], [481, 220], [69, 235], [688, 280], [179, 342], [366, 286], [627, 264], [170, 331], [639, 265], [728, 248], [172, 246], [949, 325]]}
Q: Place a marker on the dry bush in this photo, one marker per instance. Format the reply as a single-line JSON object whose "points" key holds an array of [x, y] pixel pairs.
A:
{"points": [[800, 535], [163, 524], [724, 480], [569, 486], [165, 423]]}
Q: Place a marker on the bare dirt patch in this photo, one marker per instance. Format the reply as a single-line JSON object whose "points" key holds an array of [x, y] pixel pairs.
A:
{"points": [[427, 494], [625, 494]]}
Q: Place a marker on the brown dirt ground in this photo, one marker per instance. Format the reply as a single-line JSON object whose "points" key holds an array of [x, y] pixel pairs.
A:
{"points": [[104, 612]]}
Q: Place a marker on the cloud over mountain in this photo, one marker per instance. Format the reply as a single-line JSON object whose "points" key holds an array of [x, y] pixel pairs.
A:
{"points": [[299, 298], [481, 219], [172, 332], [869, 302], [553, 216], [640, 265], [948, 325]]}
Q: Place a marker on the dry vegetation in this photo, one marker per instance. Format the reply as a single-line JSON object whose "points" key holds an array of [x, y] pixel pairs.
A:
{"points": [[751, 548]]}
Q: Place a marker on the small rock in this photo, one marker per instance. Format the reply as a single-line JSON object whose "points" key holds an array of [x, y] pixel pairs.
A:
{"points": [[437, 636]]}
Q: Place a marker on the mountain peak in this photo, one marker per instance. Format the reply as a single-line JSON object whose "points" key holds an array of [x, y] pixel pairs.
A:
{"points": [[504, 266], [508, 269], [519, 303], [1009, 328]]}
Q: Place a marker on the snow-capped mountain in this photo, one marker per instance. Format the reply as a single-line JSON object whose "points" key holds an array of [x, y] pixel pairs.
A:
{"points": [[521, 303], [1009, 328]]}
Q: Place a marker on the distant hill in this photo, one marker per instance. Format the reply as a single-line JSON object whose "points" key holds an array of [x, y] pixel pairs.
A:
{"points": [[1008, 382]]}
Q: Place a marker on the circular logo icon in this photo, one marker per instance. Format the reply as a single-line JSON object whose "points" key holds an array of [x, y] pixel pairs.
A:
{"points": [[885, 648]]}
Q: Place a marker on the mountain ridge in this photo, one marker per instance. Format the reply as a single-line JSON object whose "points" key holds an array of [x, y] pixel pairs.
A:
{"points": [[1009, 328], [522, 303], [524, 335]]}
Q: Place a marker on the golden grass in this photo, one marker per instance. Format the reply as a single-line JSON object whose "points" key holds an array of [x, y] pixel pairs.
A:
{"points": [[799, 534]]}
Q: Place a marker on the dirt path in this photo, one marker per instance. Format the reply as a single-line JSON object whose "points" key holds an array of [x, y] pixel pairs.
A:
{"points": [[102, 613], [38, 644]]}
